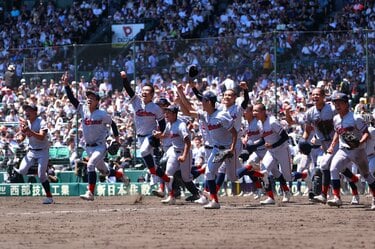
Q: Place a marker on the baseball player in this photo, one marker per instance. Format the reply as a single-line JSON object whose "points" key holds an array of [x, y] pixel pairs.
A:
{"points": [[278, 153], [95, 124], [148, 117], [351, 134], [236, 112], [223, 135], [35, 129], [187, 109], [255, 147], [165, 144], [179, 153], [319, 123]]}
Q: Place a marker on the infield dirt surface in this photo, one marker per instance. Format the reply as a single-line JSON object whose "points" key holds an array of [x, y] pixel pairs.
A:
{"points": [[127, 222]]}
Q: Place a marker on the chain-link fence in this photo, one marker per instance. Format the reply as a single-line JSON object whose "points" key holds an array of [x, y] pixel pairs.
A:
{"points": [[283, 56]]}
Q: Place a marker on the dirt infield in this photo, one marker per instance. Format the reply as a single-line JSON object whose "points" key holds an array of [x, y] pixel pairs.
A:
{"points": [[126, 222]]}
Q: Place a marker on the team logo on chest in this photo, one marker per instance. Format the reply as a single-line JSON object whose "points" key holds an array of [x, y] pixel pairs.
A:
{"points": [[342, 130], [92, 121], [144, 113], [213, 126]]}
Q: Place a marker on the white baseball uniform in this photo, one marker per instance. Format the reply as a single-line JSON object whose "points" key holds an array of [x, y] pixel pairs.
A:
{"points": [[276, 156]]}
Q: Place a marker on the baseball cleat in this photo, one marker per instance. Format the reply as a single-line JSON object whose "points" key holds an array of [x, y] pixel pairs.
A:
{"points": [[335, 202], [373, 204], [88, 196], [212, 205], [192, 198], [268, 201], [286, 196], [258, 194], [169, 200], [202, 200], [355, 200], [48, 200], [158, 193], [320, 198]]}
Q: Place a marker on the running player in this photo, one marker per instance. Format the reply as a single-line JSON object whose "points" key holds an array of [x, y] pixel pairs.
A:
{"points": [[278, 153], [345, 124], [35, 129], [236, 112], [319, 123], [148, 117], [179, 153], [223, 135], [255, 147], [95, 124]]}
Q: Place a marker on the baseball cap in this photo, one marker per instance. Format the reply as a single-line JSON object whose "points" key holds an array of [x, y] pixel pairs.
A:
{"points": [[172, 108], [11, 68], [30, 106], [340, 96], [192, 70], [210, 96], [163, 102], [91, 92]]}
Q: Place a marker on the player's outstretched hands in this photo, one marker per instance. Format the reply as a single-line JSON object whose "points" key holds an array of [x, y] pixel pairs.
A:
{"points": [[243, 85], [123, 74], [65, 79], [24, 127]]}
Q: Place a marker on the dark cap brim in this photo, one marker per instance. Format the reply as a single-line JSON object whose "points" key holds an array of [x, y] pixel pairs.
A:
{"points": [[34, 108]]}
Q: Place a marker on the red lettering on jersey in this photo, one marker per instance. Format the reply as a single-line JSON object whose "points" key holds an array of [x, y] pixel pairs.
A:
{"points": [[342, 130], [143, 113], [253, 133], [92, 121], [267, 133], [213, 127]]}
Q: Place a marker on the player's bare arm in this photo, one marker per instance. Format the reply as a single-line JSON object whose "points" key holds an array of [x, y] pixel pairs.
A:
{"points": [[365, 136], [307, 131], [288, 115]]}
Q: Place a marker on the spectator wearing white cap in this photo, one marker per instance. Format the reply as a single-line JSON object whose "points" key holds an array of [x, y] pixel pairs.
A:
{"points": [[10, 77]]}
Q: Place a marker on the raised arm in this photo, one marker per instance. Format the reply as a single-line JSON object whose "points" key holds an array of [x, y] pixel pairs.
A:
{"points": [[196, 92], [126, 84], [68, 90], [245, 102], [115, 131], [186, 107]]}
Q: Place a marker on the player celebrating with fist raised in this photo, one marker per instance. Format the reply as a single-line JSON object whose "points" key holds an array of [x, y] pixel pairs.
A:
{"points": [[95, 124], [148, 118]]}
